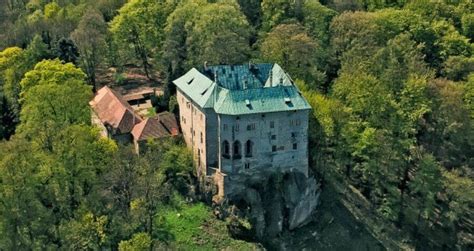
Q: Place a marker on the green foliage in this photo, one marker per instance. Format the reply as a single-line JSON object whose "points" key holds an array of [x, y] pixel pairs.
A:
{"points": [[14, 63], [380, 4], [194, 227], [292, 47], [198, 32], [427, 184], [139, 242], [317, 18], [392, 90], [88, 232], [53, 96], [23, 214], [468, 25], [457, 68], [90, 39], [139, 25]]}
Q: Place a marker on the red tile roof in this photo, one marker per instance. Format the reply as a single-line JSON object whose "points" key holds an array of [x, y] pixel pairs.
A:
{"points": [[162, 125], [114, 111]]}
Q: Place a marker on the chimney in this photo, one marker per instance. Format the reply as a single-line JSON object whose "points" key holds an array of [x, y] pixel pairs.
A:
{"points": [[215, 76], [271, 78]]}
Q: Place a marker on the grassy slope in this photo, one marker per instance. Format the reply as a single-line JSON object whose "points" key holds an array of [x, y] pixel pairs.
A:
{"points": [[194, 227]]}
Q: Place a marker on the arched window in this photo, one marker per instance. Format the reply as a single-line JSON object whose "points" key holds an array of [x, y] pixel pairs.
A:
{"points": [[225, 149], [237, 150], [248, 148]]}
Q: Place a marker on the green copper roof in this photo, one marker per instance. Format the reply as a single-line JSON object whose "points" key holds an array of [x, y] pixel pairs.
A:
{"points": [[239, 77], [261, 100], [242, 89], [196, 86]]}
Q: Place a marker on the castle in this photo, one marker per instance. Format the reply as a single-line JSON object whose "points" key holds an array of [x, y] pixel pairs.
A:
{"points": [[236, 118]]}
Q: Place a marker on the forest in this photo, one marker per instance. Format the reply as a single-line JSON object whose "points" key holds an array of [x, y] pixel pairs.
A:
{"points": [[391, 84]]}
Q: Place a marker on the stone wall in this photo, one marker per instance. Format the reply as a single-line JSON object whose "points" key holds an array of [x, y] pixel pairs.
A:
{"points": [[193, 126], [278, 140]]}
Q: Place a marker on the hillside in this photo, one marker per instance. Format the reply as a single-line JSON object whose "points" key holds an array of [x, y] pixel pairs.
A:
{"points": [[390, 83]]}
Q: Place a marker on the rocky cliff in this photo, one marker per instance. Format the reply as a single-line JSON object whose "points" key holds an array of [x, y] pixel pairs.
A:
{"points": [[271, 201]]}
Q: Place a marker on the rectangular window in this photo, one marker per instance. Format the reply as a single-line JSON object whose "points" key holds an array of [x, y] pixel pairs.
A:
{"points": [[201, 138], [293, 134], [296, 122], [236, 127], [274, 148], [295, 146], [251, 127], [272, 124], [201, 117], [274, 137]]}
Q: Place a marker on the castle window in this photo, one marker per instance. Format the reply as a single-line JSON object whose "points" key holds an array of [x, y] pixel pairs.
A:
{"points": [[251, 127], [272, 124], [226, 149], [296, 122], [247, 165], [274, 137], [293, 134], [295, 146], [236, 127], [237, 150], [274, 148], [248, 148], [201, 138]]}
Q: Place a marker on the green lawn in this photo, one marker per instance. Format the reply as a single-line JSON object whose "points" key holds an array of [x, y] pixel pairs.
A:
{"points": [[194, 227]]}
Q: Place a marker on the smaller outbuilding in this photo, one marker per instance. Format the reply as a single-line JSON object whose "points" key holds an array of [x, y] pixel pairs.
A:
{"points": [[113, 115], [119, 121], [162, 125]]}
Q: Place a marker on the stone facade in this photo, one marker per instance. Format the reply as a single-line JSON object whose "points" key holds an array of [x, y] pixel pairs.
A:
{"points": [[226, 143], [268, 140]]}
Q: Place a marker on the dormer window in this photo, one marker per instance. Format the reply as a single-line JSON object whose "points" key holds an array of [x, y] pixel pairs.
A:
{"points": [[190, 81]]}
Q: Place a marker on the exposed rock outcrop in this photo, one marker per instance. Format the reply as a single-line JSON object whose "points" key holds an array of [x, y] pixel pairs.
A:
{"points": [[272, 201]]}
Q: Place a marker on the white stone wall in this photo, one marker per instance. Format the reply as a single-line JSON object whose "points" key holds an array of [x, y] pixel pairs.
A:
{"points": [[193, 126], [96, 121], [273, 136], [273, 146]]}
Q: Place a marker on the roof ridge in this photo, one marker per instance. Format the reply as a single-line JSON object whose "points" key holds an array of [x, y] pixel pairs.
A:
{"points": [[139, 128]]}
